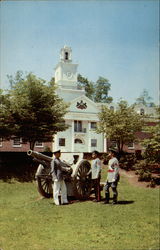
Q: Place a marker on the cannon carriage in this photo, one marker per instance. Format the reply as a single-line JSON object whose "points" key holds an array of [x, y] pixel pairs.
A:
{"points": [[77, 175]]}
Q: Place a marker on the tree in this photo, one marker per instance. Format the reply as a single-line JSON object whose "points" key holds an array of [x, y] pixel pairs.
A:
{"points": [[6, 119], [152, 143], [119, 125], [101, 90], [98, 91], [145, 99], [87, 85], [37, 112]]}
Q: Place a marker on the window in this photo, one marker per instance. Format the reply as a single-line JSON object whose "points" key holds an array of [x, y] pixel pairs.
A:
{"points": [[130, 145], [93, 142], [62, 142], [0, 141], [77, 126], [142, 111], [17, 142], [93, 125], [78, 141], [66, 55], [38, 144]]}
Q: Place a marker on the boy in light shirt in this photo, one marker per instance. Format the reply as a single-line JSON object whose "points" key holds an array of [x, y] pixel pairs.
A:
{"points": [[112, 177]]}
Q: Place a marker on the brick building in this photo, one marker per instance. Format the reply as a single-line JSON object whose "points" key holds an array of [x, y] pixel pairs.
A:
{"points": [[16, 145]]}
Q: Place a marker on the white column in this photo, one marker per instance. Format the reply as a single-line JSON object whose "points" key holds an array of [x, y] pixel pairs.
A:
{"points": [[55, 143], [72, 137], [89, 137], [105, 143]]}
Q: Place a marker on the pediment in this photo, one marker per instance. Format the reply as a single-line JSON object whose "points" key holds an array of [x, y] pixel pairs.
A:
{"points": [[83, 104]]}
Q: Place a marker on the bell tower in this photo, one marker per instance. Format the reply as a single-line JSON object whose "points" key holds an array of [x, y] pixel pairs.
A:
{"points": [[66, 76], [66, 71], [66, 54]]}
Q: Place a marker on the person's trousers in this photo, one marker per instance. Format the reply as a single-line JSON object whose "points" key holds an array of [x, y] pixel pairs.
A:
{"points": [[96, 186], [59, 188], [113, 185]]}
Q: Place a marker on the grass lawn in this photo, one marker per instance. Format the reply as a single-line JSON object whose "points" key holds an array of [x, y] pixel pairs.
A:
{"points": [[31, 223]]}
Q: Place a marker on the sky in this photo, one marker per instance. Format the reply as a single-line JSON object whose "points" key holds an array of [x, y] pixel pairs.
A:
{"points": [[118, 40]]}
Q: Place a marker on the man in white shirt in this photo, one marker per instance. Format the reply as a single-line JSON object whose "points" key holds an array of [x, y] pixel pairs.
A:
{"points": [[112, 177], [95, 173], [58, 178]]}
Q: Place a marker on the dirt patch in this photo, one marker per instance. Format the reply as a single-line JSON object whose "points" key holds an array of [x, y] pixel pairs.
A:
{"points": [[133, 179]]}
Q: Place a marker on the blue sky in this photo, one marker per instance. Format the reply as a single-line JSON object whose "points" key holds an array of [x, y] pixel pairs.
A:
{"points": [[115, 39]]}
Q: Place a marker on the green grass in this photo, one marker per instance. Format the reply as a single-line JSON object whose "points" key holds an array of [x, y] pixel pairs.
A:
{"points": [[31, 223]]}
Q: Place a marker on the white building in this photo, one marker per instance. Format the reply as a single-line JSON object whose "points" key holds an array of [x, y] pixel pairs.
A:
{"points": [[82, 117]]}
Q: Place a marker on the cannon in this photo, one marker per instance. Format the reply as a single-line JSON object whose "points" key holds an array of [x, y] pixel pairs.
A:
{"points": [[77, 175]]}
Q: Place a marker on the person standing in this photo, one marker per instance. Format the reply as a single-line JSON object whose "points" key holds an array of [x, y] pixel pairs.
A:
{"points": [[58, 177], [96, 174], [112, 177]]}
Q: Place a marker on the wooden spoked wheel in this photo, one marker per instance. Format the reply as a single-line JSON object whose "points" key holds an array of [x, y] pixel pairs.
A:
{"points": [[82, 180], [44, 182]]}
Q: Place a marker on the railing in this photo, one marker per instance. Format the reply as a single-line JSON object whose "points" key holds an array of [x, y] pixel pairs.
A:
{"points": [[83, 130]]}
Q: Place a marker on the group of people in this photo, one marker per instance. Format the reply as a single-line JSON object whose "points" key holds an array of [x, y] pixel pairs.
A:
{"points": [[112, 176], [59, 186]]}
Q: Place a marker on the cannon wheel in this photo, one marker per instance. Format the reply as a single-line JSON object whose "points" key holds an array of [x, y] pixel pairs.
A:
{"points": [[82, 180], [44, 183]]}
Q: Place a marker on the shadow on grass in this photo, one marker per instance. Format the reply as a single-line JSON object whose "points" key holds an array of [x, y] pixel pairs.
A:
{"points": [[124, 202], [120, 202]]}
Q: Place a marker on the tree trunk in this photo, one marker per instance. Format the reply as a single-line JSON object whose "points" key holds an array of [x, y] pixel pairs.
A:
{"points": [[31, 143], [122, 144], [119, 146]]}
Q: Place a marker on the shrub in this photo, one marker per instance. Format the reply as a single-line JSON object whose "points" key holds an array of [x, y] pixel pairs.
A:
{"points": [[127, 161], [152, 155], [144, 175], [141, 165], [143, 170], [152, 183]]}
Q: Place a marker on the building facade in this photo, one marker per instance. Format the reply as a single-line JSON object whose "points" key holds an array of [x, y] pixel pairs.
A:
{"points": [[82, 117]]}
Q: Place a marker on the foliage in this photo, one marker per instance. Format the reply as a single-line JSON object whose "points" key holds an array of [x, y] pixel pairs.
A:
{"points": [[144, 175], [142, 164], [152, 144], [101, 90], [98, 91], [7, 128], [145, 170], [52, 82], [36, 111], [119, 125], [145, 99], [127, 161], [87, 85]]}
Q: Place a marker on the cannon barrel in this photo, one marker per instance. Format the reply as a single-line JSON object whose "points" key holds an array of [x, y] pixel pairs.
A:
{"points": [[46, 160], [39, 156]]}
